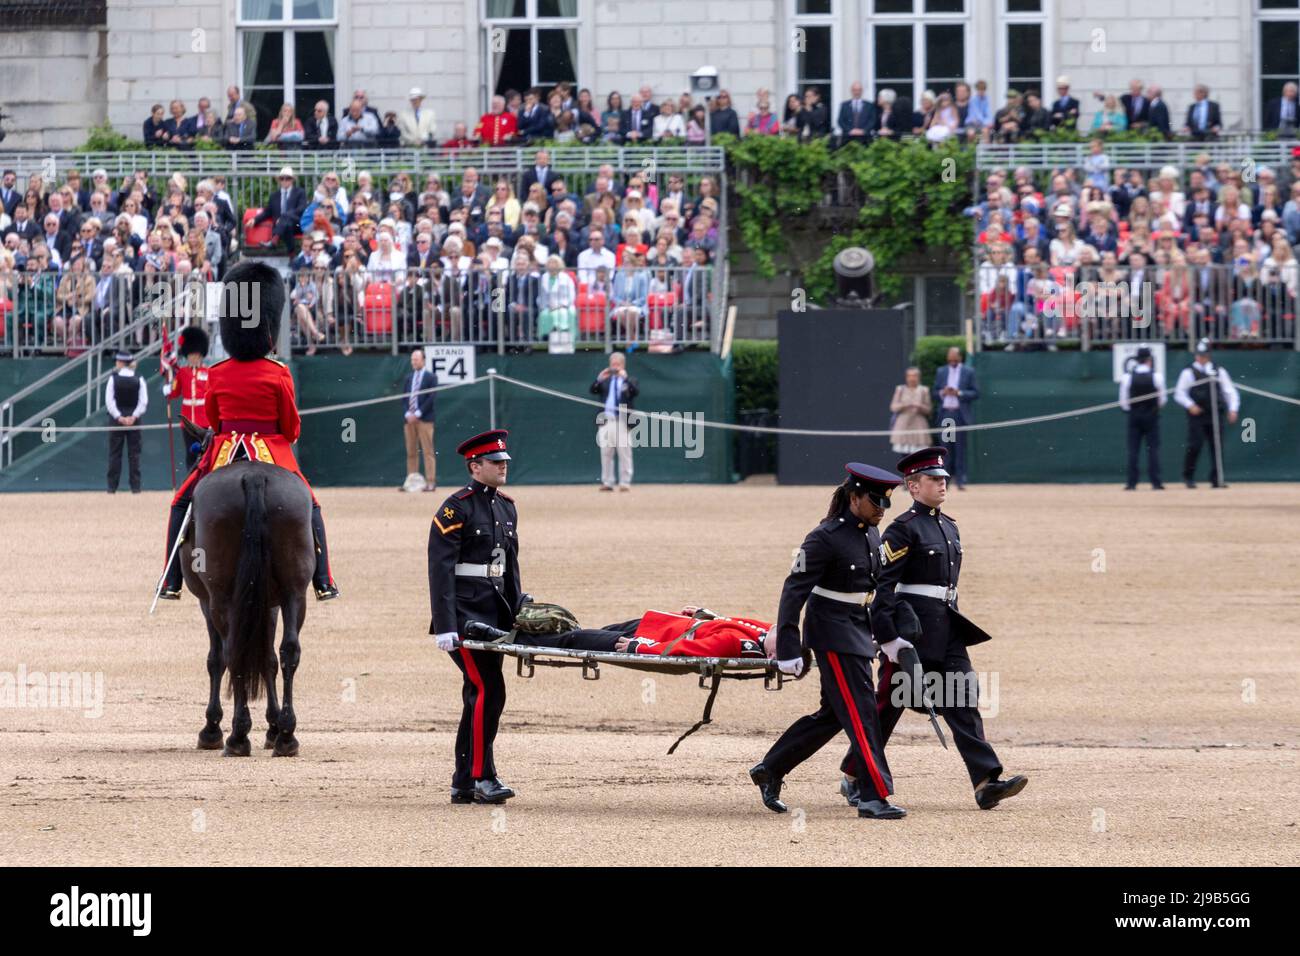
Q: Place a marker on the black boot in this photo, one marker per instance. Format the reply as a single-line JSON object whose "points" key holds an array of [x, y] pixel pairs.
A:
{"points": [[993, 792], [769, 788], [171, 590], [326, 589]]}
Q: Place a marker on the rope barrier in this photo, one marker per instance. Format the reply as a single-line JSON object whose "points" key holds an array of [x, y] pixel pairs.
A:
{"points": [[673, 417]]}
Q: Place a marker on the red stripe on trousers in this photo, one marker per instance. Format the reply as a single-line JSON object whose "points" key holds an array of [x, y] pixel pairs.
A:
{"points": [[856, 720], [471, 671]]}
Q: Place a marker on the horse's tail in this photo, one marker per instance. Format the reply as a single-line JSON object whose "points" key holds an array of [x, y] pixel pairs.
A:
{"points": [[250, 638]]}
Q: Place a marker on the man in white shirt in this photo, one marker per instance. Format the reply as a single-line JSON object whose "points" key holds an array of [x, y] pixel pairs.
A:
{"points": [[1141, 396], [126, 400], [1207, 392], [589, 260]]}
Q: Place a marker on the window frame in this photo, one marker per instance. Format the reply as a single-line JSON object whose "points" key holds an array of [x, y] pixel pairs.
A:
{"points": [[287, 26], [1261, 16], [531, 22], [1046, 19], [831, 20], [918, 21]]}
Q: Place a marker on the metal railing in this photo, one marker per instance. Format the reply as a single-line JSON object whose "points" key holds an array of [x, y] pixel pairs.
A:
{"points": [[500, 160], [1153, 155], [501, 309], [135, 328], [1022, 306], [46, 314]]}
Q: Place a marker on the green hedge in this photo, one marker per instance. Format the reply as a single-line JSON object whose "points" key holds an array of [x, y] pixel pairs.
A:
{"points": [[754, 363], [932, 351]]}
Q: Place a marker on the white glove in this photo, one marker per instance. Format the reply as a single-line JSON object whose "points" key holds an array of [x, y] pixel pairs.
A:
{"points": [[891, 648], [447, 641], [793, 667]]}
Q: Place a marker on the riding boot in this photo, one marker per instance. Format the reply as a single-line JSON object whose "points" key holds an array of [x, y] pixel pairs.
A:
{"points": [[172, 586], [323, 581]]}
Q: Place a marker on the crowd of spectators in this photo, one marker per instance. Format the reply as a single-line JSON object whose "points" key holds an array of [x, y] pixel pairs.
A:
{"points": [[1205, 251], [631, 249], [61, 244], [565, 114]]}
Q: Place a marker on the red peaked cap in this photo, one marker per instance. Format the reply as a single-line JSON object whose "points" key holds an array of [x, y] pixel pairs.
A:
{"points": [[490, 445]]}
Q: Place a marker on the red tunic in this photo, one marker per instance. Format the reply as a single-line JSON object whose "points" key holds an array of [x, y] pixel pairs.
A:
{"points": [[496, 128], [249, 404], [721, 637], [191, 386]]}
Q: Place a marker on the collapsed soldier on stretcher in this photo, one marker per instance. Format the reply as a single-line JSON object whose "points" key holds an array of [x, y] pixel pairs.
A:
{"points": [[692, 632]]}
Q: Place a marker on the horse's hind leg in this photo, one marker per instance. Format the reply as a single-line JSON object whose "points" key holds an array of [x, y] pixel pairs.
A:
{"points": [[269, 677], [210, 735], [292, 612]]}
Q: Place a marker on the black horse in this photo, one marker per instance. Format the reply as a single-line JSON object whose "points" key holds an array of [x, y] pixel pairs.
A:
{"points": [[250, 551]]}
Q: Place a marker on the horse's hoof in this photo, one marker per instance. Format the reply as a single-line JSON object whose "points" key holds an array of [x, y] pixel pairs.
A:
{"points": [[210, 739], [237, 748], [271, 737], [286, 747]]}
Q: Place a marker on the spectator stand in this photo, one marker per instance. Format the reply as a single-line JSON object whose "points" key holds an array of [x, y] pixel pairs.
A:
{"points": [[1086, 305]]}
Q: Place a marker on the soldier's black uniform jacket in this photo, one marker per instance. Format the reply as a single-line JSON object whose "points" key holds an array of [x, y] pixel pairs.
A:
{"points": [[922, 546], [476, 525], [840, 554]]}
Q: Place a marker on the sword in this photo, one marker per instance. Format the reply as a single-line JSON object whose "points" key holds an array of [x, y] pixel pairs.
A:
{"points": [[911, 662], [180, 538]]}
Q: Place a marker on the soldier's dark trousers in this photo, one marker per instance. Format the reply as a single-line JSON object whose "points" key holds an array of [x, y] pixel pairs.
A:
{"points": [[116, 438], [956, 699], [322, 578], [1200, 432], [583, 639], [848, 704], [484, 695], [1143, 428]]}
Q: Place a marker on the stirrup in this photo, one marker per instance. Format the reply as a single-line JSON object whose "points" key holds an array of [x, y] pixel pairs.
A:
{"points": [[167, 594], [327, 593]]}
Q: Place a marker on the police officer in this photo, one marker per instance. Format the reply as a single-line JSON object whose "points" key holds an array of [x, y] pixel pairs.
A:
{"points": [[921, 554], [834, 575], [1141, 396], [474, 576], [1206, 391], [125, 399]]}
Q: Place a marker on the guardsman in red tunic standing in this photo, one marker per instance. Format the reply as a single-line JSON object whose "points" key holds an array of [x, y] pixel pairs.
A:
{"points": [[189, 383], [251, 409]]}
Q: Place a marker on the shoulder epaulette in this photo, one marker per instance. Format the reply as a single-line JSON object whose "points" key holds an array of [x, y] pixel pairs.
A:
{"points": [[464, 493], [222, 362], [502, 494], [948, 516], [276, 361], [907, 515]]}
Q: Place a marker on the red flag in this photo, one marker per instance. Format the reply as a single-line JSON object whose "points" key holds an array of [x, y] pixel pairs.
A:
{"points": [[167, 355]]}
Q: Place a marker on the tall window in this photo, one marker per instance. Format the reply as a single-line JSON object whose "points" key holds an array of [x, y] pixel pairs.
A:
{"points": [[1024, 61], [286, 55], [1279, 49], [812, 47], [531, 43], [917, 45]]}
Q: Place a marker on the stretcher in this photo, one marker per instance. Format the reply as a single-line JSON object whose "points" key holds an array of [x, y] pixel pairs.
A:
{"points": [[712, 671]]}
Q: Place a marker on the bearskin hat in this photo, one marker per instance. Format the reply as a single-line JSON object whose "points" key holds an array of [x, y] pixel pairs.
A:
{"points": [[252, 298], [192, 339]]}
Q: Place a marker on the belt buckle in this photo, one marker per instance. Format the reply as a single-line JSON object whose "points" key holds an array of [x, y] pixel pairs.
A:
{"points": [[950, 593], [496, 570]]}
